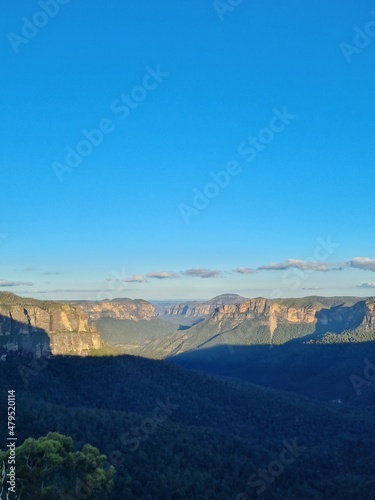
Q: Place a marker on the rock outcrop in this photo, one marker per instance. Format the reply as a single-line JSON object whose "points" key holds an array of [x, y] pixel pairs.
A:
{"points": [[118, 309], [337, 317], [260, 306], [56, 328], [369, 318], [201, 309]]}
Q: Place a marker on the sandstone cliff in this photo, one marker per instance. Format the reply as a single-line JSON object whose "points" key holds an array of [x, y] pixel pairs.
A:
{"points": [[260, 306], [118, 309], [369, 318], [270, 322], [60, 328], [325, 317], [201, 309]]}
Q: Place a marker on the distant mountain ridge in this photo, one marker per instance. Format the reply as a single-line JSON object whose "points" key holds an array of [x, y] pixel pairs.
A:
{"points": [[227, 319], [198, 308], [263, 321], [121, 309], [307, 345]]}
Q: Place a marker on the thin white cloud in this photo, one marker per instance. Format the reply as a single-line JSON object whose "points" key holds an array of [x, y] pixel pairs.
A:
{"points": [[244, 270], [367, 285], [162, 275], [364, 263], [302, 265], [6, 283], [72, 290], [135, 279], [202, 273]]}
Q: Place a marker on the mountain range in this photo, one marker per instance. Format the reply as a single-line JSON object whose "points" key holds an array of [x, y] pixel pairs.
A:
{"points": [[288, 344], [239, 383]]}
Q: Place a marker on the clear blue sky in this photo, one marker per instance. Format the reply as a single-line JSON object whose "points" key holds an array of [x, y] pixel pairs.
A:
{"points": [[124, 222]]}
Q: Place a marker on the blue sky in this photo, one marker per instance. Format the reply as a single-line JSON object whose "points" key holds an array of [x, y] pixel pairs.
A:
{"points": [[279, 97]]}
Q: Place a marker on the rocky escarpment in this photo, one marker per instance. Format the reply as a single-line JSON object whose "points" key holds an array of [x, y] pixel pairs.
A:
{"points": [[260, 306], [190, 309], [53, 327], [267, 312], [330, 317], [262, 321], [201, 309], [118, 309], [284, 313], [369, 316]]}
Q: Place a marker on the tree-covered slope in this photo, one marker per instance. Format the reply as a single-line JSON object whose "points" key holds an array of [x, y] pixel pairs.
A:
{"points": [[175, 434]]}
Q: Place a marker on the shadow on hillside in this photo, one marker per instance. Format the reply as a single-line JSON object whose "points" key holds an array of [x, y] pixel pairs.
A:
{"points": [[287, 363], [339, 318], [183, 327], [22, 339], [323, 371]]}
